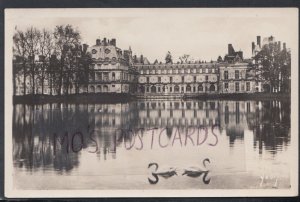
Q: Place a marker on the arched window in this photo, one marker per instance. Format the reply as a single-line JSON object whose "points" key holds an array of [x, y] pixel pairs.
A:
{"points": [[200, 87], [212, 87], [176, 88], [98, 89], [92, 89], [142, 89], [188, 88], [105, 88], [153, 89]]}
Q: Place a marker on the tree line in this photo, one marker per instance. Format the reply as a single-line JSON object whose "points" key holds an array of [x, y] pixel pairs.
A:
{"points": [[274, 68], [54, 57]]}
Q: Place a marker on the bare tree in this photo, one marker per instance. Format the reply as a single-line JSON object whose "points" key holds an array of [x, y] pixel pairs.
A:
{"points": [[66, 38], [32, 41], [169, 58], [21, 52], [184, 58], [45, 49]]}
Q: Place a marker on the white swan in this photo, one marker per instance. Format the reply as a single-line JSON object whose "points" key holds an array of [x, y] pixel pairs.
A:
{"points": [[196, 171]]}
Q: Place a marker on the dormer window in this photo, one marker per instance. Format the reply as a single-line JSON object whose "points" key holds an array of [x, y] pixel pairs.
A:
{"points": [[107, 51], [94, 51]]}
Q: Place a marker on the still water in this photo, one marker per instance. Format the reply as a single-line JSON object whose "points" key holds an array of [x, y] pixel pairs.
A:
{"points": [[152, 144]]}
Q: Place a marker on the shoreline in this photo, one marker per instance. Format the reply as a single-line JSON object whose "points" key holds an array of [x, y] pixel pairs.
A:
{"points": [[124, 98]]}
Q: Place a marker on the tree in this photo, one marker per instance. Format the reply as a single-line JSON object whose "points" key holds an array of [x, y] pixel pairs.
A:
{"points": [[220, 59], [274, 67], [66, 39], [21, 52], [45, 49], [84, 70], [184, 58], [169, 58], [32, 40]]}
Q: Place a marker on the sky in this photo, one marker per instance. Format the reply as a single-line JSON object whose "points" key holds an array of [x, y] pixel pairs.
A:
{"points": [[200, 32]]}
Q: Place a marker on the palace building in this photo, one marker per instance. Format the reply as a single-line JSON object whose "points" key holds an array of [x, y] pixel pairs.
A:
{"points": [[112, 70]]}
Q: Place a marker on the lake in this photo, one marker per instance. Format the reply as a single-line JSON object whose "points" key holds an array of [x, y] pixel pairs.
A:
{"points": [[136, 145]]}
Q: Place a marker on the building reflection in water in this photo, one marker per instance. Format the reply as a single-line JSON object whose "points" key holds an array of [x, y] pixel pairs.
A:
{"points": [[51, 136]]}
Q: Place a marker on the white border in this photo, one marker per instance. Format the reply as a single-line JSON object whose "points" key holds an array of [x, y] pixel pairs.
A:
{"points": [[9, 192]]}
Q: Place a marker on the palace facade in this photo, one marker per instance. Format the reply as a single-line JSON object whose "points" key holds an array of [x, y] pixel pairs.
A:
{"points": [[115, 71]]}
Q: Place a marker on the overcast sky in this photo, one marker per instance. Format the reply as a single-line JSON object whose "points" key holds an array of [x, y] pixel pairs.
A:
{"points": [[201, 33]]}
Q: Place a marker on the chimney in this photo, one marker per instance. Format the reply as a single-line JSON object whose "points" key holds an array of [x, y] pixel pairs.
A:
{"points": [[253, 46], [142, 59], [98, 42], [113, 42], [284, 46], [258, 41], [84, 47], [279, 45]]}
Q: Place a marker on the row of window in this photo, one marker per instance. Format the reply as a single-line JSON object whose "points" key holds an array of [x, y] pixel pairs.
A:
{"points": [[188, 88], [171, 79], [236, 74], [237, 86], [178, 71], [104, 76]]}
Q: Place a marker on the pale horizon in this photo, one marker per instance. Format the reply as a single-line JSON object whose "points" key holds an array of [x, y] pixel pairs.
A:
{"points": [[204, 34]]}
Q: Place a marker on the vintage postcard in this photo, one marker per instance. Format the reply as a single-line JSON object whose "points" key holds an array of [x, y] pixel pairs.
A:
{"points": [[151, 102]]}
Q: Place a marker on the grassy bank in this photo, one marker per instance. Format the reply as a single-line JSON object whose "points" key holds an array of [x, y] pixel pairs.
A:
{"points": [[80, 98], [242, 96], [122, 98]]}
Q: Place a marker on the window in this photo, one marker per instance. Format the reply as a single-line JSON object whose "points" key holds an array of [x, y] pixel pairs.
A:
{"points": [[236, 73], [206, 70], [171, 79], [237, 87], [226, 86], [226, 75], [206, 78], [113, 76], [147, 79], [158, 89], [200, 87], [195, 78], [159, 79], [182, 79], [105, 76], [176, 88], [147, 89], [188, 88], [248, 86]]}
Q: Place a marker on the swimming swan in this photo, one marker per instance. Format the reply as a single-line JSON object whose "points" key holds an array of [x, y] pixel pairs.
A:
{"points": [[198, 171], [165, 173]]}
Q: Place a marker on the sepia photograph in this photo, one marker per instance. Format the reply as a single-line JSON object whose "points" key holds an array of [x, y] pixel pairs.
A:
{"points": [[110, 102]]}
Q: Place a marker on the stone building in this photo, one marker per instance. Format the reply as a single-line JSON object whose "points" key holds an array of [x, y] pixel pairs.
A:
{"points": [[234, 78], [119, 72], [177, 79], [111, 69]]}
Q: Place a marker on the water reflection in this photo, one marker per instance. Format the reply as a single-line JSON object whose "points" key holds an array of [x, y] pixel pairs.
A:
{"points": [[53, 136]]}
